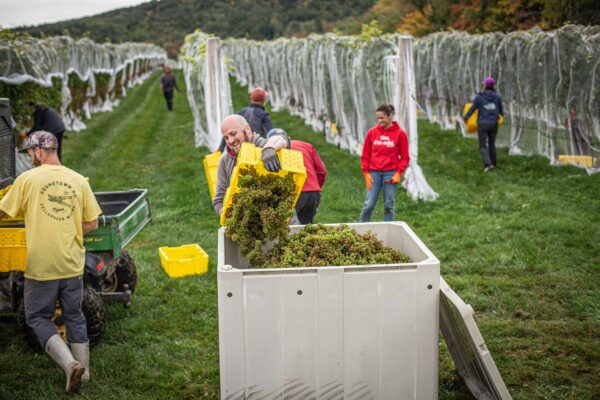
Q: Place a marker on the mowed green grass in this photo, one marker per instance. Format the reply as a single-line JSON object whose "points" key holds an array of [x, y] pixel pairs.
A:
{"points": [[521, 245]]}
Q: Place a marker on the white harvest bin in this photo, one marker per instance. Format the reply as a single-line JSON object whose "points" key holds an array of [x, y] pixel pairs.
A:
{"points": [[351, 332]]}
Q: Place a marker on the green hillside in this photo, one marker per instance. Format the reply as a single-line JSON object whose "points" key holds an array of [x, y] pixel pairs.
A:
{"points": [[167, 22]]}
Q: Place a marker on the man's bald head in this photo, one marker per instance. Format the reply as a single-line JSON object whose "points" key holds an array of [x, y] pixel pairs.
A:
{"points": [[233, 121], [235, 130]]}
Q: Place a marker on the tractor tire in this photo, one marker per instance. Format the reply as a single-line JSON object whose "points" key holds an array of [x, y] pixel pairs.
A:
{"points": [[95, 321], [126, 272], [95, 315]]}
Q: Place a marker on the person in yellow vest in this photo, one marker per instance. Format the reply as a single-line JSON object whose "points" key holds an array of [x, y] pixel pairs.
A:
{"points": [[59, 207]]}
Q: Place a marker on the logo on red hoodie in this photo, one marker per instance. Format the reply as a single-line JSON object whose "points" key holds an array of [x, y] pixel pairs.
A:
{"points": [[384, 141]]}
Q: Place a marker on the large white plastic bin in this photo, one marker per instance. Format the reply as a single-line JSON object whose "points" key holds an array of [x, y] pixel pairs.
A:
{"points": [[352, 332]]}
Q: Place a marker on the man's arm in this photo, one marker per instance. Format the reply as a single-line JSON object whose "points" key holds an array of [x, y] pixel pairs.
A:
{"points": [[222, 185], [90, 226], [278, 141], [12, 201]]}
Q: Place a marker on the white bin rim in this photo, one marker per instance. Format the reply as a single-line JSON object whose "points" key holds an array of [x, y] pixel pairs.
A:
{"points": [[426, 256]]}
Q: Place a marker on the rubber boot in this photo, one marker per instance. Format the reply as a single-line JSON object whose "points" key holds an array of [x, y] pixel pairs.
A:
{"points": [[81, 353], [59, 351]]}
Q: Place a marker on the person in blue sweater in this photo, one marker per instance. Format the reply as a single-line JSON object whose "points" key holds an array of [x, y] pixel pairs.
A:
{"points": [[488, 104]]}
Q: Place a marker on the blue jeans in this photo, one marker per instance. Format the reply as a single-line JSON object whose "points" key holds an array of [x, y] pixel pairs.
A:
{"points": [[389, 196]]}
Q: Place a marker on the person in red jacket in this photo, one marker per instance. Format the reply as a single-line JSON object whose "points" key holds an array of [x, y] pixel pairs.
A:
{"points": [[316, 172], [384, 158], [310, 197]]}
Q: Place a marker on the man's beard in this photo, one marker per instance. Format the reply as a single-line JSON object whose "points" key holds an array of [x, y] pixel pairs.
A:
{"points": [[246, 140]]}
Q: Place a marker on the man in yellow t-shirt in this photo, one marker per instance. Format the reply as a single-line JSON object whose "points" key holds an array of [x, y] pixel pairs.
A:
{"points": [[59, 207]]}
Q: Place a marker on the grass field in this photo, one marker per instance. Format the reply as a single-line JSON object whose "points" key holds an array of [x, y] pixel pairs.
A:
{"points": [[521, 245]]}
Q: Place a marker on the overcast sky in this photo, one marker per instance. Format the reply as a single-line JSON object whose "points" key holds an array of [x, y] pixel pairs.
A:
{"points": [[34, 12]]}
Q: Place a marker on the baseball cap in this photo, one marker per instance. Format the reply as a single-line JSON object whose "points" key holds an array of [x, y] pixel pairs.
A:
{"points": [[489, 81], [258, 95], [43, 140]]}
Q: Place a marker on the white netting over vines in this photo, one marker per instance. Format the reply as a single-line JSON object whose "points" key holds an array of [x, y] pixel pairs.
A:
{"points": [[39, 60], [208, 90], [336, 84], [549, 83]]}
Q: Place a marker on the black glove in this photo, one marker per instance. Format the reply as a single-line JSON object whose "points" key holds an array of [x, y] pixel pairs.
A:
{"points": [[270, 160]]}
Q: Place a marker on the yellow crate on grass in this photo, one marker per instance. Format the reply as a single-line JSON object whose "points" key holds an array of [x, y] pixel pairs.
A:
{"points": [[189, 259], [580, 161], [13, 249], [211, 164], [472, 121], [292, 162]]}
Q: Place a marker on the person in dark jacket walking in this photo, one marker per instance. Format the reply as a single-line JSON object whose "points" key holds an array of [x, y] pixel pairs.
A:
{"points": [[488, 104], [46, 119], [384, 158], [167, 84], [258, 119]]}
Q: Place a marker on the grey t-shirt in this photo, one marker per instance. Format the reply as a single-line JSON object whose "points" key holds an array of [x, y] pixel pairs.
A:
{"points": [[225, 170]]}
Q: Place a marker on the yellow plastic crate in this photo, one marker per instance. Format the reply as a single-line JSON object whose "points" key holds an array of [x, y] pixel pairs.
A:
{"points": [[292, 162], [189, 259], [13, 249], [211, 164], [581, 161], [472, 121]]}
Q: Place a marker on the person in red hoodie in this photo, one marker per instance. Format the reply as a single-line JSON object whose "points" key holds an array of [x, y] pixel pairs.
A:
{"points": [[384, 158], [310, 197], [316, 172]]}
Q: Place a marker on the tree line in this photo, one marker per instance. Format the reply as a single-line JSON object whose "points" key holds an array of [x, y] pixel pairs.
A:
{"points": [[167, 22]]}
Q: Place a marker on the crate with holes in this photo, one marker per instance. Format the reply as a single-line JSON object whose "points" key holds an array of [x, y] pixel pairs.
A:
{"points": [[250, 156]]}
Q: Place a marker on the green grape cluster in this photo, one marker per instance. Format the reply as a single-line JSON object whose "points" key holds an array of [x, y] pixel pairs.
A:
{"points": [[320, 245], [259, 212]]}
